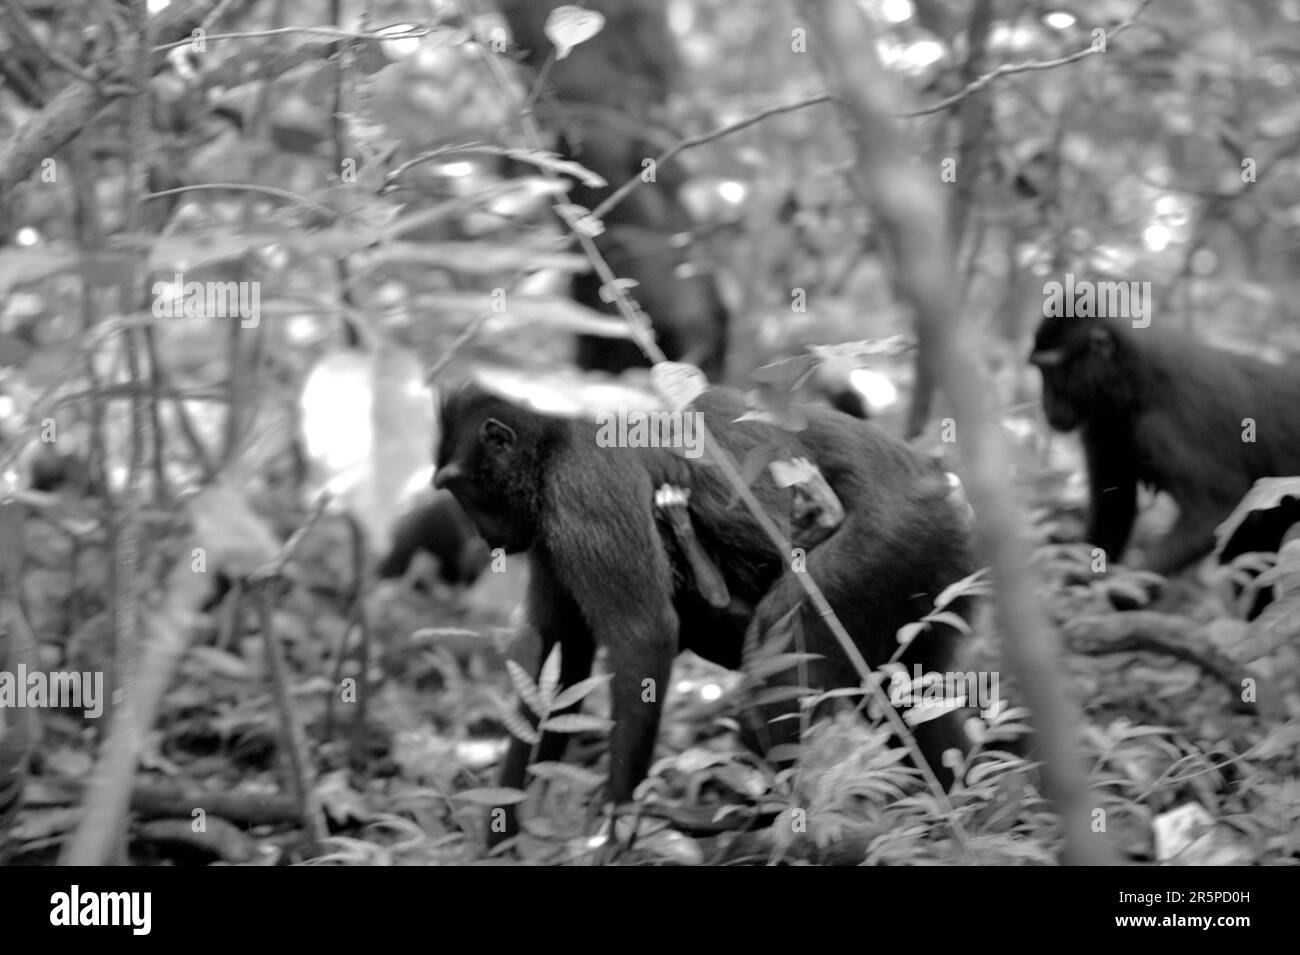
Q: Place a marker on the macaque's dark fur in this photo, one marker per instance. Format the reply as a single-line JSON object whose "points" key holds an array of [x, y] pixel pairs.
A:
{"points": [[438, 526], [602, 574], [1166, 410]]}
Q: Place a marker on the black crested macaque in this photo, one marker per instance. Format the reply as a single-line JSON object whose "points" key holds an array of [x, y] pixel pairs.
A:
{"points": [[1197, 422], [683, 304], [437, 525], [603, 572], [812, 520]]}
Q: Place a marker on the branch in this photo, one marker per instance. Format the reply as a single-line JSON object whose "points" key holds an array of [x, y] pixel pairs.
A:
{"points": [[73, 108], [1008, 69], [409, 32], [1144, 631], [1028, 66], [283, 194], [621, 193]]}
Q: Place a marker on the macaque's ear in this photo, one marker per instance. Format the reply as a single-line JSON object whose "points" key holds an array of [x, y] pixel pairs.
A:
{"points": [[497, 434]]}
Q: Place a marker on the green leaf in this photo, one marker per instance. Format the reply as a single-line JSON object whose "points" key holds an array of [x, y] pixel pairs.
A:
{"points": [[574, 774], [492, 796], [576, 723], [568, 26], [972, 585], [673, 847], [844, 691], [761, 669], [787, 374], [778, 694], [784, 752], [908, 632], [518, 727], [577, 692], [526, 688], [549, 681], [951, 619]]}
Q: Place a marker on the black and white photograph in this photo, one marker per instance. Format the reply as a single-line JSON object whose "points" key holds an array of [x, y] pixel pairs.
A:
{"points": [[650, 433]]}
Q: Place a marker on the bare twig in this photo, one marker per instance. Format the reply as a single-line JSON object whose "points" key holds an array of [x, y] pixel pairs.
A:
{"points": [[815, 99], [249, 187], [410, 33], [301, 774], [1028, 66], [621, 193]]}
